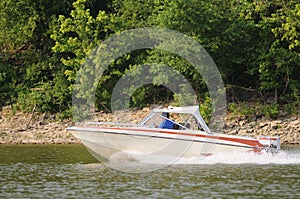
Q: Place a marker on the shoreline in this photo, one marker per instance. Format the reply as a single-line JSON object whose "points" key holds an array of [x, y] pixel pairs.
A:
{"points": [[34, 128]]}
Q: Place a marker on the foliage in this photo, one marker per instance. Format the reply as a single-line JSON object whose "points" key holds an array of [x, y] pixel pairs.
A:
{"points": [[241, 110], [292, 108], [206, 109], [249, 110], [7, 82], [27, 63], [278, 56], [255, 44], [270, 111]]}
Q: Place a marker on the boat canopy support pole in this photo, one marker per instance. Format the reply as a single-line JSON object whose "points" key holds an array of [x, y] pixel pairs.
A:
{"points": [[202, 123]]}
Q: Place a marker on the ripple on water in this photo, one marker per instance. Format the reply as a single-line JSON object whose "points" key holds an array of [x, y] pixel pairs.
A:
{"points": [[187, 179]]}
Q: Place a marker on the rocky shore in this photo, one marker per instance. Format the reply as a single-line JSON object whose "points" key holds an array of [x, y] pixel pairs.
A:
{"points": [[288, 129], [20, 128]]}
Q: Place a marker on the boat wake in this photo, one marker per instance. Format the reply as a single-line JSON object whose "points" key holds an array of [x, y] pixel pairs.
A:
{"points": [[142, 163], [282, 157]]}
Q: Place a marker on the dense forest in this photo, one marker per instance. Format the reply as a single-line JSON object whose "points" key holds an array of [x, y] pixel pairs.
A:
{"points": [[254, 43]]}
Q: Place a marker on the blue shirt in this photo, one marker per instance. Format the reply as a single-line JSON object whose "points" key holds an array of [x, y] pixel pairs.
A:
{"points": [[167, 124]]}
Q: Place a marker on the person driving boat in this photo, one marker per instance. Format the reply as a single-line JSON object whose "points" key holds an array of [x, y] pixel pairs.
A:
{"points": [[166, 124]]}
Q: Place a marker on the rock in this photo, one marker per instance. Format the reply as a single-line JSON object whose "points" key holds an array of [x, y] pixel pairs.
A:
{"points": [[5, 108], [243, 132], [242, 123], [295, 122], [146, 109], [276, 122], [262, 124], [274, 126], [234, 132]]}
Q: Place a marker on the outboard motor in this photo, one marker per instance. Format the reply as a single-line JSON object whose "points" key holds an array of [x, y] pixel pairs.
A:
{"points": [[271, 143]]}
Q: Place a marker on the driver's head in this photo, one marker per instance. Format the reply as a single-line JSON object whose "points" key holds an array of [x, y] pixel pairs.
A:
{"points": [[165, 114]]}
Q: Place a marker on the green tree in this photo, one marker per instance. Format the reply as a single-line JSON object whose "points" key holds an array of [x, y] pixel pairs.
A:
{"points": [[28, 67], [17, 22], [255, 44], [277, 59], [76, 35]]}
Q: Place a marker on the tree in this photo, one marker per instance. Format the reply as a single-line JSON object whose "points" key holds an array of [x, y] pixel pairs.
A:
{"points": [[17, 22], [277, 52], [27, 64], [255, 45]]}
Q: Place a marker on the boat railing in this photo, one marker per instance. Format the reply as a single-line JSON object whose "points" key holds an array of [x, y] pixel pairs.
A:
{"points": [[114, 124]]}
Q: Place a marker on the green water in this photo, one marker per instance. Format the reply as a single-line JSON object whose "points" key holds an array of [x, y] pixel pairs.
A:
{"points": [[69, 171]]}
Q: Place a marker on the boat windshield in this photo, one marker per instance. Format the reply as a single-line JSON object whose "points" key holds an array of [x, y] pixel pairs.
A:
{"points": [[181, 121]]}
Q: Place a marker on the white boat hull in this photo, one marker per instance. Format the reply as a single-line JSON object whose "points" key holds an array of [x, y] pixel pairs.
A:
{"points": [[109, 142]]}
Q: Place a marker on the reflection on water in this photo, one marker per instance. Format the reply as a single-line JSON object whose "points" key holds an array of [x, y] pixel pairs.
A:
{"points": [[60, 154], [68, 171]]}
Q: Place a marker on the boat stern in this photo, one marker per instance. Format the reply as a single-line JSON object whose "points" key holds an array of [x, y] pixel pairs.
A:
{"points": [[271, 143]]}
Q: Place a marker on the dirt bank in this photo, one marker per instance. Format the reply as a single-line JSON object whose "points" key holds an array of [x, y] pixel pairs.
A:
{"points": [[20, 128]]}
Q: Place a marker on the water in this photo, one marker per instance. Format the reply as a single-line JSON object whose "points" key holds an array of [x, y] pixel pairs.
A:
{"points": [[69, 171]]}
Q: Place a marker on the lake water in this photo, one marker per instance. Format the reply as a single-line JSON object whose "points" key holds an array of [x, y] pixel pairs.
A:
{"points": [[69, 171]]}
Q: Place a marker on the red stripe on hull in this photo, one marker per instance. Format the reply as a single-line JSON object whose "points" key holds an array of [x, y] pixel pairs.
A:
{"points": [[253, 143]]}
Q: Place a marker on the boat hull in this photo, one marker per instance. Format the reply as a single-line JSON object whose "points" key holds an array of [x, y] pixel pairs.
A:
{"points": [[109, 142]]}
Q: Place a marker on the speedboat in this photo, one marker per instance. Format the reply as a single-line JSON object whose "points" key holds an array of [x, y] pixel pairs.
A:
{"points": [[189, 136]]}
